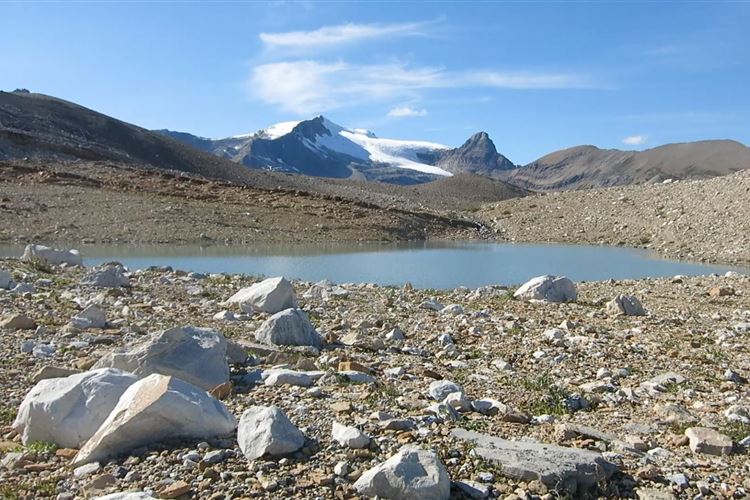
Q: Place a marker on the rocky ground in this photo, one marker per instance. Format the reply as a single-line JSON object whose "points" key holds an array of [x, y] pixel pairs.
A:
{"points": [[706, 220], [575, 374], [102, 202]]}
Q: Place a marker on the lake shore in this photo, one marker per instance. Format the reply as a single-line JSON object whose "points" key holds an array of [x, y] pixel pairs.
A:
{"points": [[706, 220], [574, 375]]}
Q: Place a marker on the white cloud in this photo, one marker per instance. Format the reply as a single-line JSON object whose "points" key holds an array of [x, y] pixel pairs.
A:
{"points": [[340, 34], [406, 111], [306, 87], [635, 140]]}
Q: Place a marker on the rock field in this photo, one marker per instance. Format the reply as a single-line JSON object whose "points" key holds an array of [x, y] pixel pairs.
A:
{"points": [[690, 220], [636, 389]]}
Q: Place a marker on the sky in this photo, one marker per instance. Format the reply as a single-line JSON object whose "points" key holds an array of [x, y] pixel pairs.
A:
{"points": [[536, 76]]}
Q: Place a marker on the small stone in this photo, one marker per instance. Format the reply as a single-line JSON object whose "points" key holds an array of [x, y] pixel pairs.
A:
{"points": [[18, 322], [174, 490], [440, 389]]}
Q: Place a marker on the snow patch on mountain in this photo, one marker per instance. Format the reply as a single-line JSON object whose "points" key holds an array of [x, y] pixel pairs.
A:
{"points": [[365, 145]]}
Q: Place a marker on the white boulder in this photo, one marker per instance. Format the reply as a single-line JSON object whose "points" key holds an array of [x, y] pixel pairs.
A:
{"points": [[627, 305], [548, 289], [153, 409], [288, 327], [413, 473], [126, 495], [91, 317], [110, 275], [265, 430], [67, 411], [351, 437], [440, 389], [195, 355], [52, 256], [271, 296]]}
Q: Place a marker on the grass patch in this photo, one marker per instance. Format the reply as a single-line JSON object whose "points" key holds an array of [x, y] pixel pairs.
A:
{"points": [[736, 430], [7, 415], [41, 447], [548, 397]]}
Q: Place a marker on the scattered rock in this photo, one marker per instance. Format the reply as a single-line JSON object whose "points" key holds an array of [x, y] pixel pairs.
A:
{"points": [[110, 275], [154, 409], [289, 327], [51, 256], [569, 469], [195, 355], [548, 289], [271, 296], [18, 322], [626, 305], [351, 437], [412, 473], [440, 389], [67, 411], [708, 441], [266, 430]]}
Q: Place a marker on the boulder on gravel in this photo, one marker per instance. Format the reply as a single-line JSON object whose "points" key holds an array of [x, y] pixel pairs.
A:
{"points": [[154, 409], [48, 371], [126, 495], [413, 473], [569, 469], [52, 256], [91, 317], [289, 327], [111, 275], [266, 430], [5, 280], [18, 322], [195, 355], [68, 410], [708, 441], [440, 389], [548, 289], [351, 437], [626, 305], [270, 296]]}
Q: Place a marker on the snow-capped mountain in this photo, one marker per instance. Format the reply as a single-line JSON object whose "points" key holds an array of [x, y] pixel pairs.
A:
{"points": [[321, 147]]}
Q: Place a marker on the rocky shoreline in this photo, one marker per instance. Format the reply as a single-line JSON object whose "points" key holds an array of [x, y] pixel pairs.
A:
{"points": [[503, 397], [700, 220]]}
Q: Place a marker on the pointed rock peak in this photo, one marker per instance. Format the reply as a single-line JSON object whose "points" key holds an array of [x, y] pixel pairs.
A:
{"points": [[479, 139]]}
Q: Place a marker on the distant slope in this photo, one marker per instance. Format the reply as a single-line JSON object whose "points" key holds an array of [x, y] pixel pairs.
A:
{"points": [[37, 126], [588, 166]]}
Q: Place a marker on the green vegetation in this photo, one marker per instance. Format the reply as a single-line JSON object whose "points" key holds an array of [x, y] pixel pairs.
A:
{"points": [[546, 398]]}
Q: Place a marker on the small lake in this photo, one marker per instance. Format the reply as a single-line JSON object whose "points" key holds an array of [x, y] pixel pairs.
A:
{"points": [[424, 264]]}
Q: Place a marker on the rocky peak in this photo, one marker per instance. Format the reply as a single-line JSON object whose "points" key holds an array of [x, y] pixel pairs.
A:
{"points": [[477, 155]]}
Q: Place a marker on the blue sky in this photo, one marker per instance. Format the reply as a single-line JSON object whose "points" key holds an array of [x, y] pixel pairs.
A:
{"points": [[536, 76]]}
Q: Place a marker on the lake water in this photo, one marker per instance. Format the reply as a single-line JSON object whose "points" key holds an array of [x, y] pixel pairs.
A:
{"points": [[425, 265]]}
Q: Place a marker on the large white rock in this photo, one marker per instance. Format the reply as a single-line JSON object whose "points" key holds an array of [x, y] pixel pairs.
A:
{"points": [[627, 305], [153, 409], [126, 495], [52, 256], [440, 389], [288, 327], [413, 473], [271, 296], [351, 437], [195, 355], [67, 411], [5, 280], [110, 275], [91, 317], [265, 430], [549, 289]]}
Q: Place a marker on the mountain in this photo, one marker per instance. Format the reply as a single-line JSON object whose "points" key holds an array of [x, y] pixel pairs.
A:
{"points": [[322, 148], [477, 155], [37, 126], [588, 166]]}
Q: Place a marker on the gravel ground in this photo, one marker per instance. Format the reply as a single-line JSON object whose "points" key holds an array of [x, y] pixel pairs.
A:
{"points": [[97, 202], [701, 336], [707, 220]]}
